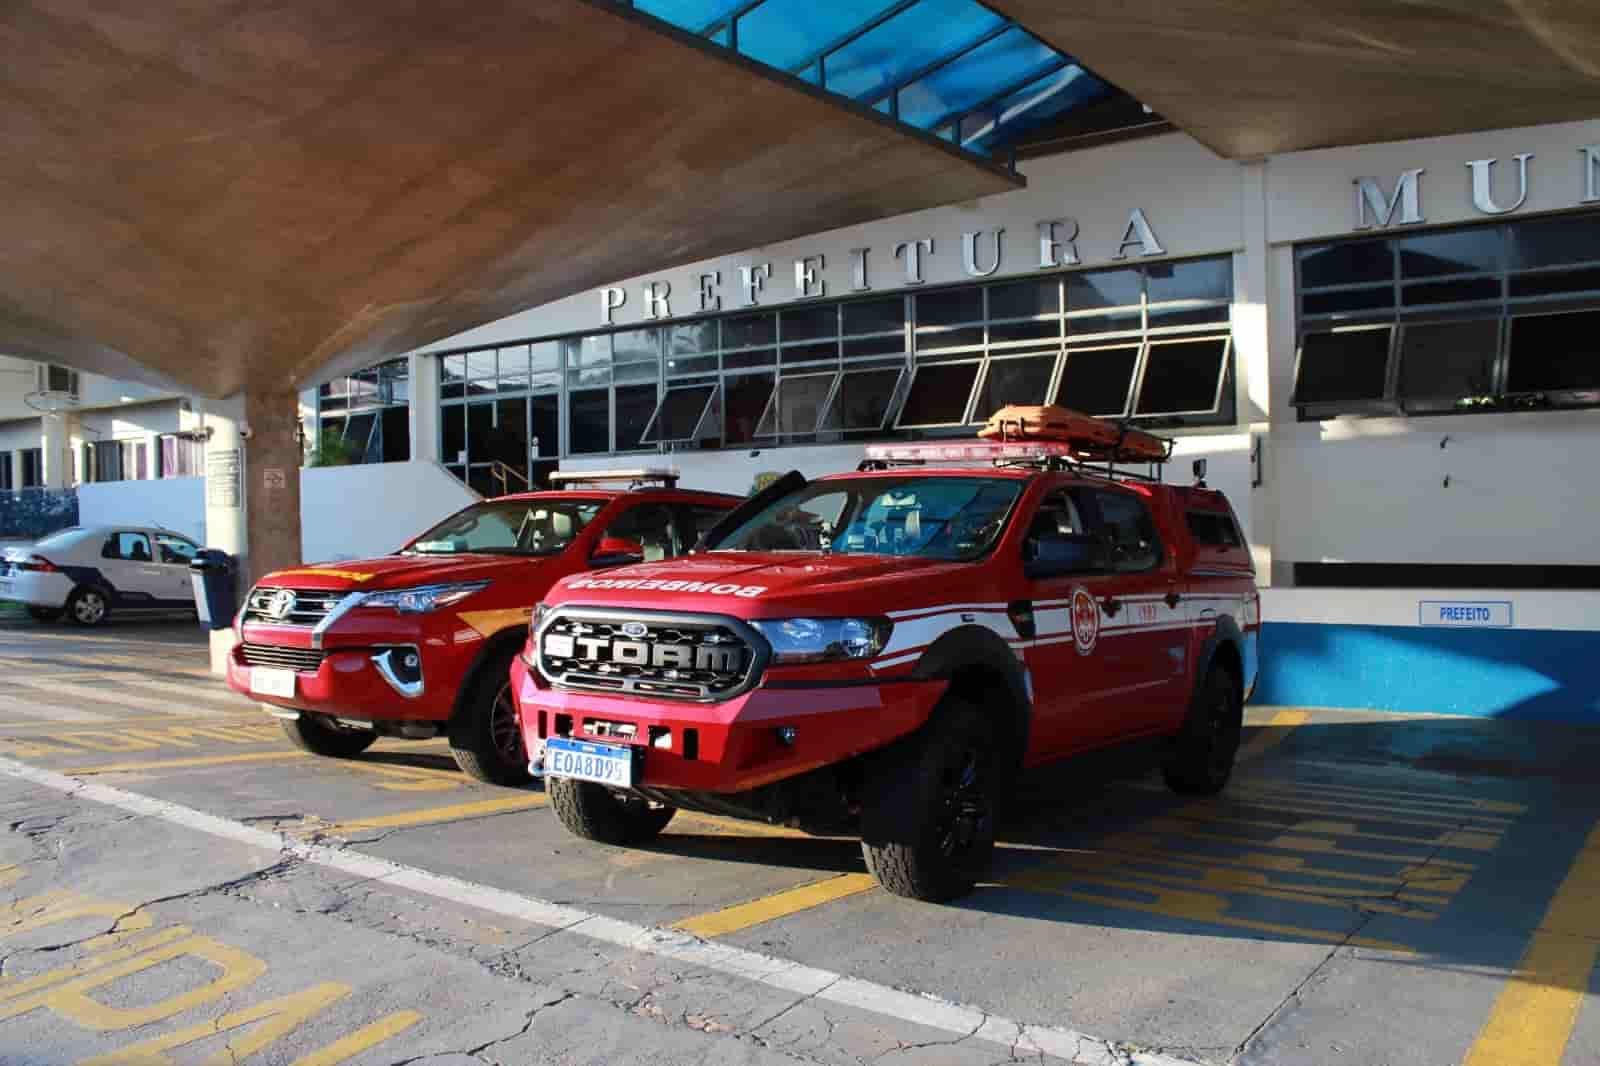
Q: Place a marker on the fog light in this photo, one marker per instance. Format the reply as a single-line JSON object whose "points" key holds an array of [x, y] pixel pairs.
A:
{"points": [[412, 661], [787, 735]]}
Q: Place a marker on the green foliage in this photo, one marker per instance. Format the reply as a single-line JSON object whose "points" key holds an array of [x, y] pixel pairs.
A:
{"points": [[332, 450]]}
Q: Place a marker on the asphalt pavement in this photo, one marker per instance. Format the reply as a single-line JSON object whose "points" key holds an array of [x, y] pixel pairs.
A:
{"points": [[178, 881]]}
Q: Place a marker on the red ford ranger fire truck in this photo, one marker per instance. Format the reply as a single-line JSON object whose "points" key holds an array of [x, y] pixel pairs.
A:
{"points": [[883, 651], [421, 642]]}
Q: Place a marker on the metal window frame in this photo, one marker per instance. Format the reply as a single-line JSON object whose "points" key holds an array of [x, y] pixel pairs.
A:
{"points": [[897, 393], [661, 403], [1226, 364], [1014, 357], [1497, 368], [774, 403], [1381, 405], [1133, 374], [966, 410]]}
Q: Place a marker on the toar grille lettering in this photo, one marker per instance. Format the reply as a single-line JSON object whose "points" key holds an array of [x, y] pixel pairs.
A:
{"points": [[682, 659]]}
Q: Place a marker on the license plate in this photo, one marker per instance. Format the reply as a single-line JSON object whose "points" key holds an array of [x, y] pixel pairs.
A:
{"points": [[605, 764], [270, 682]]}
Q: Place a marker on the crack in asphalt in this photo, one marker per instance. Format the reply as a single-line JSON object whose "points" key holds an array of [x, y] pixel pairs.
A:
{"points": [[1366, 918]]}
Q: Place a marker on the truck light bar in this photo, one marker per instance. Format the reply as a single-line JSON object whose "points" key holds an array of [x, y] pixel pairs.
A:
{"points": [[637, 475], [982, 451]]}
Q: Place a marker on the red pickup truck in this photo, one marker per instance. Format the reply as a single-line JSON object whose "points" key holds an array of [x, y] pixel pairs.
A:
{"points": [[883, 651], [421, 642]]}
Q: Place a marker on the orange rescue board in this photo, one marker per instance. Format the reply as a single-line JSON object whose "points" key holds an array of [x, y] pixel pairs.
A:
{"points": [[1089, 436]]}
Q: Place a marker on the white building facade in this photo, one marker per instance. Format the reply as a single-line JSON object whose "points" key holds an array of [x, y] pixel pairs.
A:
{"points": [[1385, 353]]}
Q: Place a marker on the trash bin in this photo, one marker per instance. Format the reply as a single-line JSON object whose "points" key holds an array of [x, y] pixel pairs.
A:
{"points": [[212, 572]]}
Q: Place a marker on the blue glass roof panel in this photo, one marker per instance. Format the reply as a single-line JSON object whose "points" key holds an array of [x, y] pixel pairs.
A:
{"points": [[696, 16], [1034, 105], [947, 67], [970, 79], [906, 43], [787, 33]]}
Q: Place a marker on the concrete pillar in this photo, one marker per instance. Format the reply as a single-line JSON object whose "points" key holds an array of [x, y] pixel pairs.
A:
{"points": [[56, 442], [424, 374], [225, 514], [1252, 340], [272, 483], [253, 488]]}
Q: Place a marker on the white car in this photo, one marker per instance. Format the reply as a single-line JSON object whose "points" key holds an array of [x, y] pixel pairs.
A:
{"points": [[90, 571]]}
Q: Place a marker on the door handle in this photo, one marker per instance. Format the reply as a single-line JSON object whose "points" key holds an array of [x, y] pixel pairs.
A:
{"points": [[1111, 605], [1173, 599]]}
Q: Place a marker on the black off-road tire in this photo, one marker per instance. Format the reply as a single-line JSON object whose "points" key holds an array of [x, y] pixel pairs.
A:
{"points": [[927, 814], [308, 733], [594, 812], [89, 606], [1201, 759], [44, 614], [485, 739]]}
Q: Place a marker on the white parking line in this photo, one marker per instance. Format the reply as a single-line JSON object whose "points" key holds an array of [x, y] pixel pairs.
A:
{"points": [[807, 981]]}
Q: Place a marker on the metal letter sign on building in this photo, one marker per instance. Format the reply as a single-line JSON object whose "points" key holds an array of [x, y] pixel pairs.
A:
{"points": [[1469, 614]]}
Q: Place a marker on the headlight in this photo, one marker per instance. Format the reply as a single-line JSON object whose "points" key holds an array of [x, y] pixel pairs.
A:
{"points": [[424, 598], [817, 640]]}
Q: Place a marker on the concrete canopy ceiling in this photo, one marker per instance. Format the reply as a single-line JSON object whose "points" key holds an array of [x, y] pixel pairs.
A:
{"points": [[250, 193], [1253, 77]]}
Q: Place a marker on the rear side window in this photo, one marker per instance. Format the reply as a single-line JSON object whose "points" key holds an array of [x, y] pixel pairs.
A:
{"points": [[1126, 523], [1213, 529], [133, 547]]}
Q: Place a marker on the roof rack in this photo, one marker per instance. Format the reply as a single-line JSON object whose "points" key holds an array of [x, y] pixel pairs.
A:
{"points": [[636, 477], [1043, 455]]}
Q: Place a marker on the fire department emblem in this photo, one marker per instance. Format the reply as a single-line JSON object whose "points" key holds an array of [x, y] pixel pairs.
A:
{"points": [[1085, 621]]}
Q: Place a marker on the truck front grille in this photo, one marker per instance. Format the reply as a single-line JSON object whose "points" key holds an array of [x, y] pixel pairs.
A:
{"points": [[650, 653], [306, 609], [305, 660]]}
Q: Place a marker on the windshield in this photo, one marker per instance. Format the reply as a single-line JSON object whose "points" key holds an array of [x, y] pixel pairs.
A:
{"points": [[509, 527], [927, 517]]}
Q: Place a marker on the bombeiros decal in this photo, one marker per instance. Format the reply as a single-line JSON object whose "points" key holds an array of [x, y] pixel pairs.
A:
{"points": [[652, 584], [1085, 620]]}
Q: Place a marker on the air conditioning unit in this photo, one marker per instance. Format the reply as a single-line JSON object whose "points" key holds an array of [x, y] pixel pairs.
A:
{"points": [[58, 379]]}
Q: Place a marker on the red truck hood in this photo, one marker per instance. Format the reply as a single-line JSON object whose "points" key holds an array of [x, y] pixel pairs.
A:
{"points": [[772, 585], [399, 571]]}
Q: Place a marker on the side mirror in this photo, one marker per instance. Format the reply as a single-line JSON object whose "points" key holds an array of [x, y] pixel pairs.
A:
{"points": [[616, 551], [1060, 554], [597, 562]]}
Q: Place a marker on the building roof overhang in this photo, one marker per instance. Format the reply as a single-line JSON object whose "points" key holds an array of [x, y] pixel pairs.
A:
{"points": [[1259, 77], [258, 193]]}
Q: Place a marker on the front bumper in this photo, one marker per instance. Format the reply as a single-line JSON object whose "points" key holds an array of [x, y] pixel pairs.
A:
{"points": [[357, 682], [733, 746]]}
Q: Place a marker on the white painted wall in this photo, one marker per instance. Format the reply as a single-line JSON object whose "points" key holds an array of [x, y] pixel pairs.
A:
{"points": [[354, 512], [177, 503]]}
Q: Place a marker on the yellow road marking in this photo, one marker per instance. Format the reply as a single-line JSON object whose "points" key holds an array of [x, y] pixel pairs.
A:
{"points": [[1532, 1019], [431, 815], [1382, 794], [181, 764], [1133, 843], [1309, 803], [1455, 838], [1187, 904], [1292, 842], [777, 905], [1277, 731], [221, 717], [354, 1043]]}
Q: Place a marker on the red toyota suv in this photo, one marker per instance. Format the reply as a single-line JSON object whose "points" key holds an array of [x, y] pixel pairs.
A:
{"points": [[421, 642], [883, 651]]}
